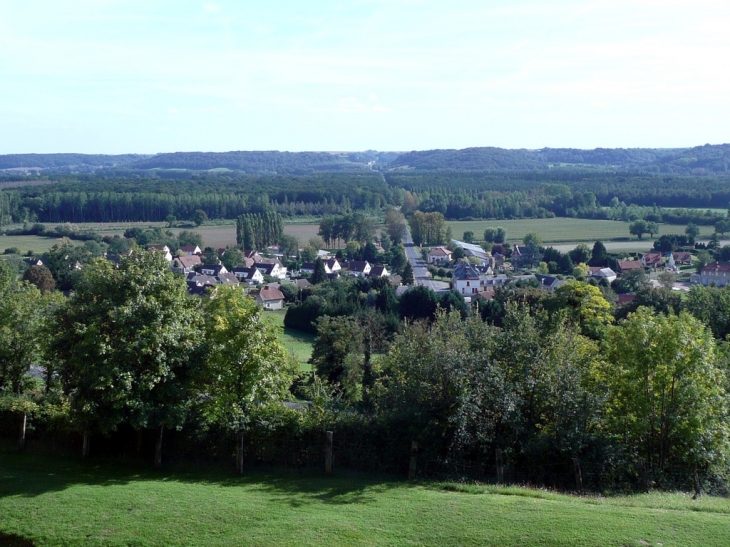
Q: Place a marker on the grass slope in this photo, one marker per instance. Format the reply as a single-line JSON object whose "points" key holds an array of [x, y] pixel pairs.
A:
{"points": [[296, 342], [55, 501]]}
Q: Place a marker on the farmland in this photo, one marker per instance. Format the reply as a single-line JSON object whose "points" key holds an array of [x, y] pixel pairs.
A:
{"points": [[61, 501]]}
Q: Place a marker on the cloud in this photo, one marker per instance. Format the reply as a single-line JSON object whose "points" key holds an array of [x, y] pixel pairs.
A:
{"points": [[212, 7]]}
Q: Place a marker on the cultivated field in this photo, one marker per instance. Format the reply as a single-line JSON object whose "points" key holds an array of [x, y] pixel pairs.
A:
{"points": [[568, 230], [55, 501]]}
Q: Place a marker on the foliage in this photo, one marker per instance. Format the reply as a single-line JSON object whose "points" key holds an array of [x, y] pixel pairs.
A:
{"points": [[668, 401], [126, 344], [245, 364], [256, 231]]}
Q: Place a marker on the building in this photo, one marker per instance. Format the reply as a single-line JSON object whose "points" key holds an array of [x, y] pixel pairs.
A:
{"points": [[270, 298], [438, 255], [716, 273]]}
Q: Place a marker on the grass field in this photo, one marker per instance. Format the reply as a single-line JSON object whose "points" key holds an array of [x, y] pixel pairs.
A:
{"points": [[298, 343], [566, 230], [54, 501]]}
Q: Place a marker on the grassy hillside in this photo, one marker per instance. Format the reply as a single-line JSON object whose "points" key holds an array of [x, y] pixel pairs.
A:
{"points": [[55, 501]]}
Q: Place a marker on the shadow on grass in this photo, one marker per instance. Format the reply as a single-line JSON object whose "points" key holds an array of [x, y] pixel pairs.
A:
{"points": [[32, 474]]}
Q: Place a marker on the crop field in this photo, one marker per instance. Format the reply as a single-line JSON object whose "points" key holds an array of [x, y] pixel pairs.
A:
{"points": [[50, 501], [566, 230], [25, 243]]}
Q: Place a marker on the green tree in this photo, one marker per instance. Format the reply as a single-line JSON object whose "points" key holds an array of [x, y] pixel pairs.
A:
{"points": [[187, 238], [468, 236], [337, 354], [200, 217], [692, 231], [722, 227], [41, 277], [639, 228], [246, 366], [231, 258], [320, 274], [395, 225], [125, 343], [703, 259], [599, 254], [408, 274], [653, 228], [667, 396], [288, 246], [584, 305]]}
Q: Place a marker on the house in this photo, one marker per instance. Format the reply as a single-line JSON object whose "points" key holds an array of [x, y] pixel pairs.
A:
{"points": [[272, 268], [34, 262], [628, 265], [333, 264], [253, 255], [359, 268], [214, 270], [602, 273], [270, 298], [652, 260], [198, 284], [466, 279], [190, 250], [682, 258], [228, 278], [302, 283], [308, 268], [248, 275], [378, 271], [395, 280], [716, 273], [185, 264], [324, 255], [163, 249], [439, 255], [549, 282]]}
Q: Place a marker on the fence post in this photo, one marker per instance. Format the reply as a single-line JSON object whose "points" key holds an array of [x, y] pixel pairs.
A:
{"points": [[328, 455], [85, 446], [578, 475], [698, 490], [414, 455], [23, 426], [500, 467]]}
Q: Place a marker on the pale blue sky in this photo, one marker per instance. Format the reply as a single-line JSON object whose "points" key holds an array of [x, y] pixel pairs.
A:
{"points": [[115, 76]]}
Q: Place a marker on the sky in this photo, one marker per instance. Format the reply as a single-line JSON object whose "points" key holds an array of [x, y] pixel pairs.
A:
{"points": [[129, 76]]}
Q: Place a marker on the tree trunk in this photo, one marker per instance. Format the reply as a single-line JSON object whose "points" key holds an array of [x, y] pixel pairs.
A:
{"points": [[140, 436], [23, 424], [239, 454], [158, 448], [86, 446]]}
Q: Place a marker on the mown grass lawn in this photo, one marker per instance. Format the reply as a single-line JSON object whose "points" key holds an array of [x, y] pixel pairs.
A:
{"points": [[296, 342], [56, 501]]}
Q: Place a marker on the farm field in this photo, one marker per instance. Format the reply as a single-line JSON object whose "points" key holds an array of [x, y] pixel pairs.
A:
{"points": [[566, 230], [28, 243], [50, 501]]}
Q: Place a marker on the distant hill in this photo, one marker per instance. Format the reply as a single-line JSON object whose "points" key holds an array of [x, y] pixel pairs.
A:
{"points": [[257, 162], [697, 160], [56, 161]]}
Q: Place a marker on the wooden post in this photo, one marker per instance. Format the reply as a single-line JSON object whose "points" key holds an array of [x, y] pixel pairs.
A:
{"points": [[500, 467], [86, 445], [23, 425], [414, 457], [644, 480], [328, 454], [239, 454], [158, 448], [578, 475], [698, 490]]}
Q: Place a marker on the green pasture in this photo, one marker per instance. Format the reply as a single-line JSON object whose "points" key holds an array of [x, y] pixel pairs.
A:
{"points": [[56, 501], [296, 342], [565, 230]]}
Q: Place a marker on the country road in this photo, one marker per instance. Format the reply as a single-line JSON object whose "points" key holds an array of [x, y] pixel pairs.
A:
{"points": [[421, 275]]}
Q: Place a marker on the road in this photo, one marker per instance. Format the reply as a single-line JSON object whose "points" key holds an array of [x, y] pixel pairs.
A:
{"points": [[421, 275]]}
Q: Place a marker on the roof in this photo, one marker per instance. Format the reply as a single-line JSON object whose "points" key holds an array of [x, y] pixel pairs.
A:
{"points": [[546, 280], [682, 256], [302, 283], [159, 247], [188, 261], [190, 248], [215, 268], [246, 273], [439, 251], [358, 265], [625, 265], [717, 267], [625, 299], [464, 271], [268, 294], [228, 278], [378, 271], [602, 272]]}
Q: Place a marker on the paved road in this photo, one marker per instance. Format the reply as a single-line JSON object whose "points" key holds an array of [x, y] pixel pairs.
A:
{"points": [[420, 271]]}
